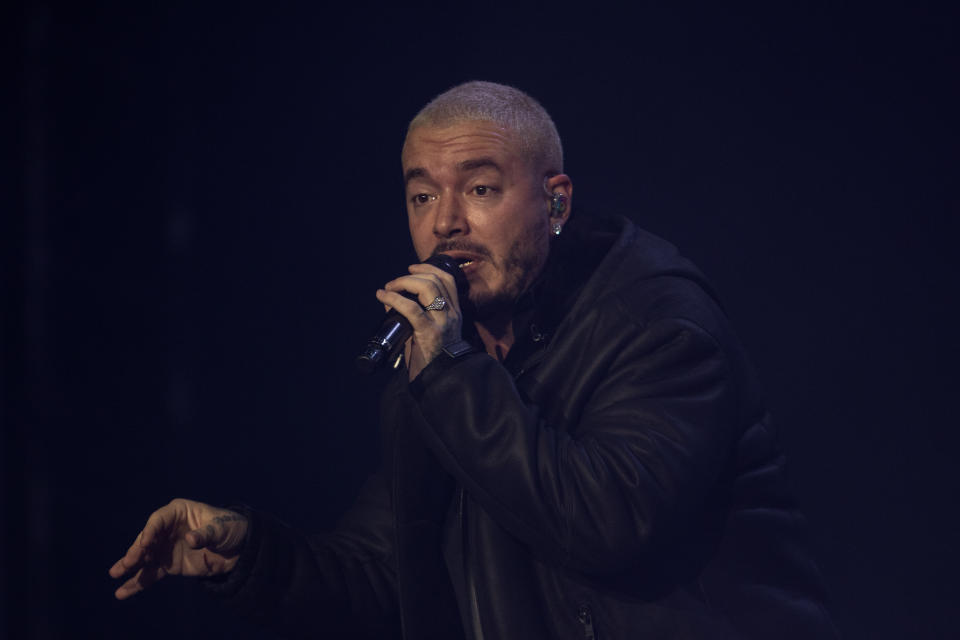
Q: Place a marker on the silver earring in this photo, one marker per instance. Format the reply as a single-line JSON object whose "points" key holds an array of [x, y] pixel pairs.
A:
{"points": [[556, 228]]}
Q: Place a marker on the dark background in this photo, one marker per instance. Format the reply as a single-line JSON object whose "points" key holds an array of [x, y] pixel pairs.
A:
{"points": [[203, 200]]}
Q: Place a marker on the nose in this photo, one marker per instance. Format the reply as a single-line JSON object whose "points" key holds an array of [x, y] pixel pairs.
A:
{"points": [[450, 220]]}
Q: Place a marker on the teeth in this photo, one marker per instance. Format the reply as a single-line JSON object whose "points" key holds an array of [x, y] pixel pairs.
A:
{"points": [[463, 264]]}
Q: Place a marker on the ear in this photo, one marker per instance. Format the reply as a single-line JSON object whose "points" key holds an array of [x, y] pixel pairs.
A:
{"points": [[561, 184]]}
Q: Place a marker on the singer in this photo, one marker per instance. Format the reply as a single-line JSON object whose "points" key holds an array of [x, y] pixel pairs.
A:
{"points": [[575, 446]]}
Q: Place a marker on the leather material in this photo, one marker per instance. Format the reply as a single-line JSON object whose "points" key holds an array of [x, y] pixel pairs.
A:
{"points": [[616, 477]]}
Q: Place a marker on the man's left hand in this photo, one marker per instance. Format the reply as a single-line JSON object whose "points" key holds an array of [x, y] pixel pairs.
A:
{"points": [[432, 329]]}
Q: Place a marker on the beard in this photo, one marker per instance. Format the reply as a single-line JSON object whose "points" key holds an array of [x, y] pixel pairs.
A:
{"points": [[521, 266]]}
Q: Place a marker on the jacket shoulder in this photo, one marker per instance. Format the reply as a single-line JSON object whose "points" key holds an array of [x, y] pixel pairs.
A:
{"points": [[646, 279]]}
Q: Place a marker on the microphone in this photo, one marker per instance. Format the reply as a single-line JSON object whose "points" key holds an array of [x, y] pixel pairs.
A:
{"points": [[395, 330]]}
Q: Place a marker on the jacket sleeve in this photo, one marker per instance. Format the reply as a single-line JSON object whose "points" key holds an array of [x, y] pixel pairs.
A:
{"points": [[305, 586], [592, 491]]}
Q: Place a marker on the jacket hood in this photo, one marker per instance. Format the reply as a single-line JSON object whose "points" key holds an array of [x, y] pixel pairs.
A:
{"points": [[635, 255], [593, 259]]}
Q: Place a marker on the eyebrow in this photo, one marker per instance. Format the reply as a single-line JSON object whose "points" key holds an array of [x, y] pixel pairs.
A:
{"points": [[478, 163], [416, 172], [463, 167]]}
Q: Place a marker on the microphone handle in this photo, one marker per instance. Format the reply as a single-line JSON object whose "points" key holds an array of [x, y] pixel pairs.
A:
{"points": [[386, 343], [395, 330]]}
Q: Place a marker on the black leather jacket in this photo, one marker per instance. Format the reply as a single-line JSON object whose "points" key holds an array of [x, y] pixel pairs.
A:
{"points": [[615, 477]]}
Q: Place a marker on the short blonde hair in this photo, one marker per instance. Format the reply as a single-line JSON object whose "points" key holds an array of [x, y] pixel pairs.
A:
{"points": [[505, 106]]}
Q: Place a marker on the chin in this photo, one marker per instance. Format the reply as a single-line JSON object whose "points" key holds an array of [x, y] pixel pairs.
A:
{"points": [[482, 305], [486, 304]]}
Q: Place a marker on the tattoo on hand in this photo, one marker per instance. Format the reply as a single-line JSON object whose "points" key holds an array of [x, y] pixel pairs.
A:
{"points": [[233, 517]]}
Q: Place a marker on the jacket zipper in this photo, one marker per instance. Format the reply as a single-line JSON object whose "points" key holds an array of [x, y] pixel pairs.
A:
{"points": [[468, 574], [585, 616]]}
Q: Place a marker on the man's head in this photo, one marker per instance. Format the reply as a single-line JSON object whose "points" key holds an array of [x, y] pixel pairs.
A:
{"points": [[481, 163]]}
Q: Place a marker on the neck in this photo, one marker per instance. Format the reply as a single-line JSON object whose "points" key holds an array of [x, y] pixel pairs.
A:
{"points": [[496, 333]]}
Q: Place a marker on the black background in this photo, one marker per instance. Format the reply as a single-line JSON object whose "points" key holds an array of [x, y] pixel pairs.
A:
{"points": [[202, 201]]}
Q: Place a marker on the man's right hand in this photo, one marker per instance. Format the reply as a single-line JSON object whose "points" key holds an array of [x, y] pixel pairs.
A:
{"points": [[186, 538]]}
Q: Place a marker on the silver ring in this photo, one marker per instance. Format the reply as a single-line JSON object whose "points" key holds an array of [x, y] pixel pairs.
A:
{"points": [[439, 304]]}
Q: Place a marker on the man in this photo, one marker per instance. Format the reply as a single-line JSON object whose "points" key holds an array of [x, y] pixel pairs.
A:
{"points": [[587, 456]]}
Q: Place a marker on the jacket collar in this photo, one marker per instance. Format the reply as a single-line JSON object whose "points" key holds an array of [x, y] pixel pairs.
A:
{"points": [[574, 256], [592, 259]]}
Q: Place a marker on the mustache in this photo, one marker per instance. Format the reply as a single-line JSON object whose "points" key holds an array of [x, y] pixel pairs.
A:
{"points": [[457, 244]]}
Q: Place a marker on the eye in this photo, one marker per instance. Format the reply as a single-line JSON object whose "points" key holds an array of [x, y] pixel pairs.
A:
{"points": [[482, 190], [423, 198]]}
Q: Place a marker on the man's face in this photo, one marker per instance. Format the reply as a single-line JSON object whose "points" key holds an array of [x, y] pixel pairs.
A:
{"points": [[473, 196]]}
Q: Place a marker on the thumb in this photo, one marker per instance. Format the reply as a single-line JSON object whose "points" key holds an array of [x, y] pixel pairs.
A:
{"points": [[199, 538]]}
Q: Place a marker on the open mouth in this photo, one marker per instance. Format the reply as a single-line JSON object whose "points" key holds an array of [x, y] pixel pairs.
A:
{"points": [[465, 263]]}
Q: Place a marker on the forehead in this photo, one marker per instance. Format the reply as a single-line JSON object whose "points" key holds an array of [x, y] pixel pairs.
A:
{"points": [[435, 148]]}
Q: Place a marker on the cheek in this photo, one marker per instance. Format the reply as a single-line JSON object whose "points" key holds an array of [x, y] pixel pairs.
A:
{"points": [[420, 240], [537, 233], [539, 242]]}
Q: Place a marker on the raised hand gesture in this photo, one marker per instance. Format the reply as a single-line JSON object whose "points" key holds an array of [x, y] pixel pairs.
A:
{"points": [[184, 537]]}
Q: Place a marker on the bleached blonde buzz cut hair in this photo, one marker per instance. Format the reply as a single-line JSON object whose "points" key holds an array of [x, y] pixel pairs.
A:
{"points": [[510, 108]]}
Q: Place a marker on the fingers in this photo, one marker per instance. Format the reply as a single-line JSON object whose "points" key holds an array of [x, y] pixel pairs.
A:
{"points": [[409, 309], [427, 283], [130, 559], [137, 556], [432, 328], [224, 533], [196, 539], [184, 537], [424, 290], [449, 284], [210, 535], [140, 581], [158, 522]]}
